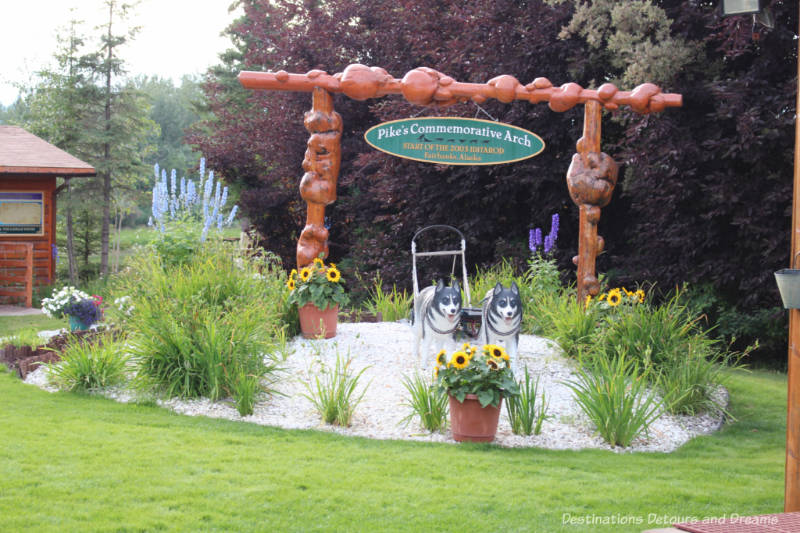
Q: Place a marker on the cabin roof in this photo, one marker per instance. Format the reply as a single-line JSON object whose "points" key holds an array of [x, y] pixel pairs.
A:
{"points": [[24, 153]]}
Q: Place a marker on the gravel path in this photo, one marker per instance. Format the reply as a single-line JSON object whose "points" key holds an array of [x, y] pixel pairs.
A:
{"points": [[385, 349]]}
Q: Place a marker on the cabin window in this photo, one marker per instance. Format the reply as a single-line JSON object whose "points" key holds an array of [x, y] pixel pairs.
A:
{"points": [[22, 213]]}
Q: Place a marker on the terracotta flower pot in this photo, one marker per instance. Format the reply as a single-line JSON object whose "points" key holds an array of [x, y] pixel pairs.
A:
{"points": [[471, 422], [313, 321]]}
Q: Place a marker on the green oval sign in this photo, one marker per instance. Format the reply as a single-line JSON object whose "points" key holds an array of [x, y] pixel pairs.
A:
{"points": [[454, 141]]}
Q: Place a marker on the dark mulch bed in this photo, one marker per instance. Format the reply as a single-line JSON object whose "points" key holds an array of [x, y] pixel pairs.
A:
{"points": [[25, 359]]}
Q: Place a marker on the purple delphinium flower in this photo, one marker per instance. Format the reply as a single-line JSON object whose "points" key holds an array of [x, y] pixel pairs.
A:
{"points": [[534, 239], [554, 227], [550, 239], [55, 252], [231, 215], [549, 242]]}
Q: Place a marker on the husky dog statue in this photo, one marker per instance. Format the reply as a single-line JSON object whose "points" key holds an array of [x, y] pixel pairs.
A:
{"points": [[501, 320], [437, 311]]}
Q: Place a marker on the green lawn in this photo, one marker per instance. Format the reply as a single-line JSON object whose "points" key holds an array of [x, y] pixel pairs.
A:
{"points": [[11, 324], [77, 463]]}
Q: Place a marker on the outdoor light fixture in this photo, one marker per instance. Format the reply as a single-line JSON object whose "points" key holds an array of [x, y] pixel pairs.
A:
{"points": [[740, 7]]}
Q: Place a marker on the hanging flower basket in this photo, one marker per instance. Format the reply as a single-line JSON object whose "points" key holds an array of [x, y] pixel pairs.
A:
{"points": [[76, 324], [788, 280]]}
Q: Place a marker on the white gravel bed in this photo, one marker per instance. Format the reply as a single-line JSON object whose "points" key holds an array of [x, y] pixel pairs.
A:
{"points": [[386, 350]]}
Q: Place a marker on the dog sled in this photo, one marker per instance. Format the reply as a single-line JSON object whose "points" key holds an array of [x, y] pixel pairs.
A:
{"points": [[470, 319]]}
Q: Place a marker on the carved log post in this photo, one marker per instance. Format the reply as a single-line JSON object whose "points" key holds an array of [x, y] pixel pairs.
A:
{"points": [[591, 178], [321, 164]]}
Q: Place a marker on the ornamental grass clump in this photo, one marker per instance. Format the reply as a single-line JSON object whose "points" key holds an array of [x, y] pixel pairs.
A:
{"points": [[525, 414], [333, 392], [89, 365], [613, 392], [197, 327], [427, 402], [318, 284], [681, 360], [26, 337], [570, 323], [392, 305], [485, 373]]}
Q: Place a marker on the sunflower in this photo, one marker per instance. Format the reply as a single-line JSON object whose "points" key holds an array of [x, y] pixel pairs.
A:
{"points": [[588, 300], [493, 363], [293, 274], [332, 265], [602, 297], [614, 297], [333, 275], [291, 284], [441, 358], [305, 274], [319, 262], [639, 295], [459, 360], [499, 352], [435, 372], [627, 292]]}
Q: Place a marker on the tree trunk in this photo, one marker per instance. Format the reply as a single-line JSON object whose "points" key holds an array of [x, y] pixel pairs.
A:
{"points": [[70, 238], [107, 154], [117, 230]]}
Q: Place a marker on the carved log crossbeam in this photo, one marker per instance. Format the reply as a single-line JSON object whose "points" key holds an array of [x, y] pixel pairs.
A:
{"points": [[425, 86]]}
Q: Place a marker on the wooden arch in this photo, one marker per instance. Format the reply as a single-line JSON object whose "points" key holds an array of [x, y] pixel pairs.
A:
{"points": [[591, 176]]}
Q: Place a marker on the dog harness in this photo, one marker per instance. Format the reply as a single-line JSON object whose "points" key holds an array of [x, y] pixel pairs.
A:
{"points": [[434, 328]]}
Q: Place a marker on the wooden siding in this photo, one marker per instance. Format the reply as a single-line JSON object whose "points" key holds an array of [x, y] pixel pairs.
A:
{"points": [[44, 268]]}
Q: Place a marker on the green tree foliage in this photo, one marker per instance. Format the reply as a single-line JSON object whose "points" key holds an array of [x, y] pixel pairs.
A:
{"points": [[174, 109], [84, 105]]}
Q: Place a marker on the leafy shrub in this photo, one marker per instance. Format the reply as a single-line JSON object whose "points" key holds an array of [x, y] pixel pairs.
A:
{"points": [[393, 305], [90, 365], [613, 393], [427, 402], [542, 275], [525, 414], [197, 327], [178, 242], [333, 392]]}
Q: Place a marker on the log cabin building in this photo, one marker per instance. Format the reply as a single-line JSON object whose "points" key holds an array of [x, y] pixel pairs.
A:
{"points": [[29, 167]]}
